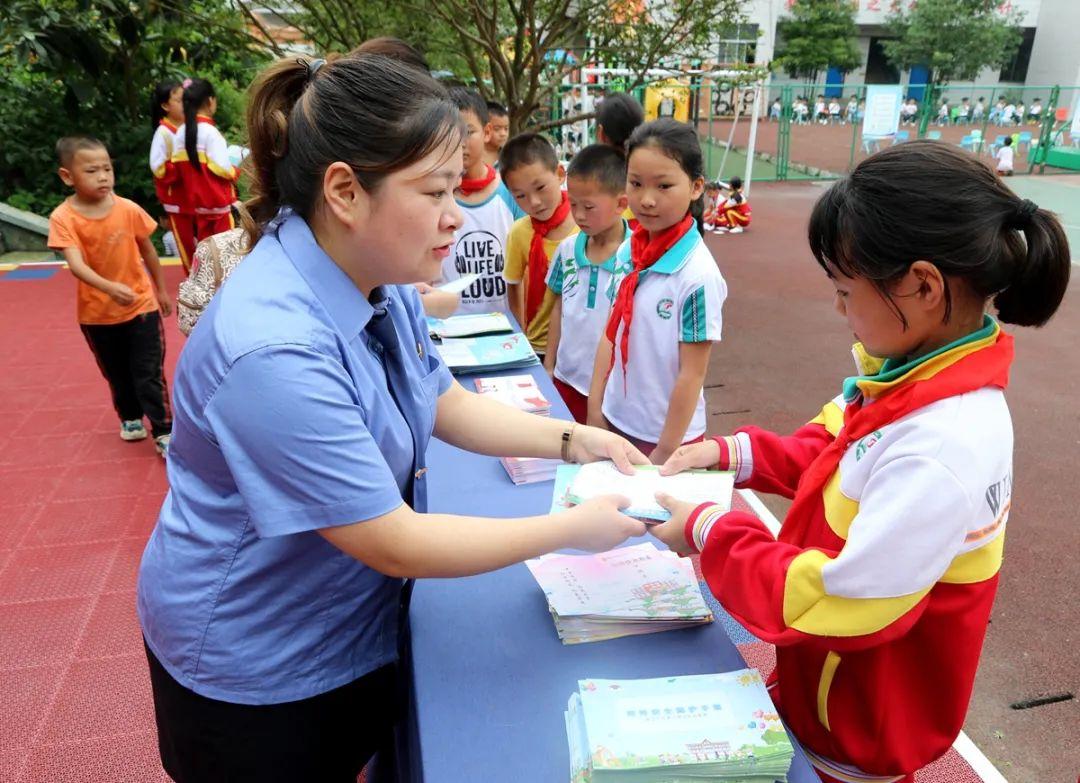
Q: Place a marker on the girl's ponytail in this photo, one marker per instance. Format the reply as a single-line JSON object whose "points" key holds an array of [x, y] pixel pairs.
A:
{"points": [[1040, 269], [196, 93], [270, 101]]}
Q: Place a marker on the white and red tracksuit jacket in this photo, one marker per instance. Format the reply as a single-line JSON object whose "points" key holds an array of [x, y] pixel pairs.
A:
{"points": [[166, 182], [210, 189], [878, 590]]}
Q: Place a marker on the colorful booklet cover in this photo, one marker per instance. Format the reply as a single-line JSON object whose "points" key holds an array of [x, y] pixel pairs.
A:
{"points": [[581, 482], [495, 352], [623, 592], [518, 391], [470, 325], [706, 727]]}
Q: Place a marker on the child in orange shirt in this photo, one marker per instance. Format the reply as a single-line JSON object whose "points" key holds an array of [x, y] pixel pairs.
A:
{"points": [[106, 240]]}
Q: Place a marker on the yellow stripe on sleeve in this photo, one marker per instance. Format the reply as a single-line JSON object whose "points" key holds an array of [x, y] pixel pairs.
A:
{"points": [[831, 417]]}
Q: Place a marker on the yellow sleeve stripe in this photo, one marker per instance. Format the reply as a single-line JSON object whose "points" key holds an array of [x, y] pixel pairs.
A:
{"points": [[831, 417], [978, 565], [840, 510], [808, 608]]}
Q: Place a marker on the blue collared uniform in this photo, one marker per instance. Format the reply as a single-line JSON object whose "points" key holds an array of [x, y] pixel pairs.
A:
{"points": [[285, 423]]}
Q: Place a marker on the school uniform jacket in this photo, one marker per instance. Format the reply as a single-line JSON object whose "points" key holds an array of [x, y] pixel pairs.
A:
{"points": [[163, 168], [879, 598], [209, 190]]}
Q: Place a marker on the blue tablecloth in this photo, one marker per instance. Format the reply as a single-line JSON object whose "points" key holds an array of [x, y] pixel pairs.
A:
{"points": [[490, 678]]}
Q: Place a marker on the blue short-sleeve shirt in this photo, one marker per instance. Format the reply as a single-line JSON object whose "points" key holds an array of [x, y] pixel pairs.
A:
{"points": [[284, 424]]}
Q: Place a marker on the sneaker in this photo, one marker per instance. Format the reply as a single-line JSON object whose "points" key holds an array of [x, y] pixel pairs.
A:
{"points": [[720, 230], [132, 430], [736, 230], [709, 226], [161, 445]]}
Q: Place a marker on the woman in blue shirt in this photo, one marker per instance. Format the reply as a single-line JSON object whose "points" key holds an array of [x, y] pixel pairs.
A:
{"points": [[269, 591]]}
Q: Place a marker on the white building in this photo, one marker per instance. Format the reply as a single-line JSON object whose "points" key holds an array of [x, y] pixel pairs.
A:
{"points": [[1049, 54]]}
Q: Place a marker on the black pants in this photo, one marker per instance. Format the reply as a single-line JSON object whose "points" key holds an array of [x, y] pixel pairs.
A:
{"points": [[131, 356], [325, 739]]}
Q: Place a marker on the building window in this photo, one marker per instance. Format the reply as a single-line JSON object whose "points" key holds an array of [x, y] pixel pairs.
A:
{"points": [[737, 44], [1016, 71]]}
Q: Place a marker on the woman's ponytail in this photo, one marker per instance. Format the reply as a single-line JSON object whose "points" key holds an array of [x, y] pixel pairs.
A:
{"points": [[196, 93], [271, 98], [1041, 267]]}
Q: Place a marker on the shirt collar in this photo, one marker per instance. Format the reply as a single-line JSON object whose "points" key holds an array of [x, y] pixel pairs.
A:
{"points": [[337, 293], [675, 259], [583, 261]]}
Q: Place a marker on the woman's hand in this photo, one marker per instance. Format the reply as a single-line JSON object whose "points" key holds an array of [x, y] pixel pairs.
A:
{"points": [[697, 455], [589, 444], [598, 525], [673, 532]]}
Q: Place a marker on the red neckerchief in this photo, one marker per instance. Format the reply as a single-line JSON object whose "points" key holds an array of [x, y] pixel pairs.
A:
{"points": [[988, 366], [538, 260], [169, 126], [645, 250], [470, 186]]}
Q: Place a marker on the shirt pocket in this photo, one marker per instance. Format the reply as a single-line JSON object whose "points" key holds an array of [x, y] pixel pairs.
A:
{"points": [[429, 390]]}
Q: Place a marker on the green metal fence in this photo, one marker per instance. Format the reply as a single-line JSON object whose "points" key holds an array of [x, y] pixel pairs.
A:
{"points": [[814, 131]]}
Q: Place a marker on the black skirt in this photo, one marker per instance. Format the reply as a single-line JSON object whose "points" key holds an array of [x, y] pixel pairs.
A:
{"points": [[327, 738]]}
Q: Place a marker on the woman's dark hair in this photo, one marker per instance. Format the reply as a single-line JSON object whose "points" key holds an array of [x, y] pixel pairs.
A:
{"points": [[619, 114], [160, 94], [196, 93], [395, 49], [928, 201], [679, 142], [375, 113]]}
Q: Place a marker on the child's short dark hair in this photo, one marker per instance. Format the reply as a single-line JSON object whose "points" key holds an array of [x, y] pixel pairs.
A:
{"points": [[1008, 141], [496, 109], [619, 114], [603, 164], [927, 200], [735, 182], [470, 101], [69, 146], [526, 149]]}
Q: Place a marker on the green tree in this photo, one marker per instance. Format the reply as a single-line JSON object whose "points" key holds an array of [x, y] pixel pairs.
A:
{"points": [[77, 67], [519, 51], [956, 39], [819, 34]]}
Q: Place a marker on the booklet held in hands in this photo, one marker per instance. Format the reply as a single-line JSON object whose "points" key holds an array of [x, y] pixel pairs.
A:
{"points": [[692, 486]]}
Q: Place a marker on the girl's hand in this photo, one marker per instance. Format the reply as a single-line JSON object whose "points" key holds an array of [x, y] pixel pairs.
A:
{"points": [[589, 444], [165, 303], [673, 532], [597, 525], [697, 455], [596, 419], [660, 455]]}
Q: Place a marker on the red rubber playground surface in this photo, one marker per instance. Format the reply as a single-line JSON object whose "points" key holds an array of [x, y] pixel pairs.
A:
{"points": [[77, 504]]}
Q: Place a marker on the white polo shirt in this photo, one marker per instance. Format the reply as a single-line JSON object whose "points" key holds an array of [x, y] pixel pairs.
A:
{"points": [[480, 247], [587, 291], [678, 300]]}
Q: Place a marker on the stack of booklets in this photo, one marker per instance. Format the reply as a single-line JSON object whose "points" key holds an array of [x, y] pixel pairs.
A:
{"points": [[470, 325], [492, 352], [577, 483], [517, 391], [699, 728], [625, 592], [529, 470]]}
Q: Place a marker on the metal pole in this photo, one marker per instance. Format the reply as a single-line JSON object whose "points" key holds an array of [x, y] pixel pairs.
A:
{"points": [[783, 134], [753, 137]]}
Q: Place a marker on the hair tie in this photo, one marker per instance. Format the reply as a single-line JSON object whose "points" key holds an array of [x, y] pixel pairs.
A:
{"points": [[313, 67], [1024, 212], [186, 83]]}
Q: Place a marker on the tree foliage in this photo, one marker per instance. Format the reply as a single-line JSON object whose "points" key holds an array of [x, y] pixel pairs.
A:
{"points": [[955, 38], [819, 34], [76, 67], [518, 51]]}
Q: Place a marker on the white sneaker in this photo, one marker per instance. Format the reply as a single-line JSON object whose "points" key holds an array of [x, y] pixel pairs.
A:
{"points": [[161, 444], [132, 430], [720, 230], [708, 226], [736, 230]]}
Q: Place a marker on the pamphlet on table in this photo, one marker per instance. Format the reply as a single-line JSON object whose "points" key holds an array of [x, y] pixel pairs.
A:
{"points": [[624, 592], [493, 352], [472, 325], [517, 391], [706, 727]]}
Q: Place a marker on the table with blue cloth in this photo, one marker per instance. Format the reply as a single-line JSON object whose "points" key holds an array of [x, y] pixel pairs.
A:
{"points": [[490, 678]]}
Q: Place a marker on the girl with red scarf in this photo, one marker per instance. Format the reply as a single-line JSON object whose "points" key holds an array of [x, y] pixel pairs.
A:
{"points": [[650, 366], [877, 591]]}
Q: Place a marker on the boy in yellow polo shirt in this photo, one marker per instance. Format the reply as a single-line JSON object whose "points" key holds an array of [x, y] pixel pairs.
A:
{"points": [[531, 170]]}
